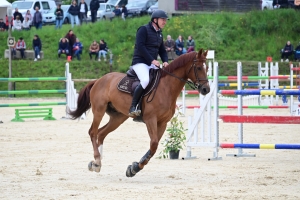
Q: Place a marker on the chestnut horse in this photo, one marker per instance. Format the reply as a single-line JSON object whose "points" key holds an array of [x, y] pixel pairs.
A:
{"points": [[103, 97]]}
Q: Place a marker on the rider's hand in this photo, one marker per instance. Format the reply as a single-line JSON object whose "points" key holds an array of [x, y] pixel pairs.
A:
{"points": [[156, 63], [165, 64]]}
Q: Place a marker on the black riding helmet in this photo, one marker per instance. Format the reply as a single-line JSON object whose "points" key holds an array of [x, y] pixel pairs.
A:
{"points": [[158, 14]]}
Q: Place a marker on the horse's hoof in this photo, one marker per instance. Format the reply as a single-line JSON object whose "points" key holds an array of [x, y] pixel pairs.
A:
{"points": [[128, 172], [132, 169], [92, 166]]}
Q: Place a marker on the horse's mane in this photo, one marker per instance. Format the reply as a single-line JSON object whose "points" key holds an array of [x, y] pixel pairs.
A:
{"points": [[179, 62]]}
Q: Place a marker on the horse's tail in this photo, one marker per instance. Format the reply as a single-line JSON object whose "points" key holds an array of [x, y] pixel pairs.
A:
{"points": [[83, 101]]}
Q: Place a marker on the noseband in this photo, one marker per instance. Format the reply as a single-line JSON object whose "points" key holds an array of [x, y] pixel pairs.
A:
{"points": [[193, 85]]}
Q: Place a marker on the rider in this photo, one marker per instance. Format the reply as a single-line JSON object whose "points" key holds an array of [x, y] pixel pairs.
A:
{"points": [[148, 44]]}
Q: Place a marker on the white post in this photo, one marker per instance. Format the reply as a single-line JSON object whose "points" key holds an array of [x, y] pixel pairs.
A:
{"points": [[216, 113], [240, 112]]}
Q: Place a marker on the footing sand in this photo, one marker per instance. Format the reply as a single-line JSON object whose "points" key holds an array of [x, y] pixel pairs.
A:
{"points": [[48, 160]]}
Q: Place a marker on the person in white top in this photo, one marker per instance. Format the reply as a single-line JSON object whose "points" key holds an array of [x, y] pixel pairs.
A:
{"points": [[26, 24], [17, 24], [83, 9]]}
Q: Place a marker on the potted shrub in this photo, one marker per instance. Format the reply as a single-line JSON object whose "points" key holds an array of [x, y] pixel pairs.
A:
{"points": [[175, 138]]}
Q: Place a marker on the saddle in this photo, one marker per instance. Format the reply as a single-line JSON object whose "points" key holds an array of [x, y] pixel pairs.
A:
{"points": [[130, 81]]}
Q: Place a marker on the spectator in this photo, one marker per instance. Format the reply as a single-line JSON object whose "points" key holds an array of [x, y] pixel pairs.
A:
{"points": [[7, 22], [297, 53], [17, 24], [83, 9], [72, 39], [180, 46], [124, 12], [13, 50], [77, 48], [102, 50], [170, 46], [26, 24], [21, 46], [74, 12], [276, 4], [17, 13], [117, 11], [94, 49], [37, 47], [190, 44], [287, 51], [37, 19], [94, 6], [28, 14], [2, 25], [63, 47], [59, 13]]}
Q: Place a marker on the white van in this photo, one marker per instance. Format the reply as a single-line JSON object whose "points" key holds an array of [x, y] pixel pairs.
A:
{"points": [[117, 2], [23, 6]]}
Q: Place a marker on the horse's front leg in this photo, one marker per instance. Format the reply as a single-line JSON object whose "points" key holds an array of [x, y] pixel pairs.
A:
{"points": [[95, 165], [155, 132]]}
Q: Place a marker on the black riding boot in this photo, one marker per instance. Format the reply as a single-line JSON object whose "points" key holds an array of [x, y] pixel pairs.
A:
{"points": [[135, 100]]}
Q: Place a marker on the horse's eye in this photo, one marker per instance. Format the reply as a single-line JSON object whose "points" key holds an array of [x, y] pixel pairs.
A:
{"points": [[199, 68]]}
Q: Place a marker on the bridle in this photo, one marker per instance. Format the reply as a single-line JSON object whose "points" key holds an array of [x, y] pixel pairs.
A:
{"points": [[193, 85]]}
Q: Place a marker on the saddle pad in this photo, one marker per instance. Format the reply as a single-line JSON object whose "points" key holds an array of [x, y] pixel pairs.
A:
{"points": [[128, 84]]}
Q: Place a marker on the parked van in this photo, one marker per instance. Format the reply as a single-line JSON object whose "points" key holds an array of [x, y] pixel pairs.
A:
{"points": [[117, 2], [44, 6]]}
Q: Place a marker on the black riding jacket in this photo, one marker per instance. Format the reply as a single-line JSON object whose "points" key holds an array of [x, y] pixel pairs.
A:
{"points": [[148, 45]]}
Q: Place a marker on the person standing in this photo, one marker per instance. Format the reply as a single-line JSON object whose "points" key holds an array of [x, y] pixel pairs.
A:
{"points": [[29, 16], [21, 46], [37, 47], [94, 6], [74, 12], [37, 19], [17, 13], [83, 9], [59, 13], [72, 39], [124, 12], [148, 44]]}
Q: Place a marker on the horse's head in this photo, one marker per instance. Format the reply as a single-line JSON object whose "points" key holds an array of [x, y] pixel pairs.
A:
{"points": [[198, 72]]}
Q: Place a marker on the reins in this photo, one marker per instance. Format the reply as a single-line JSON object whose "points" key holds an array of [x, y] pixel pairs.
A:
{"points": [[190, 83]]}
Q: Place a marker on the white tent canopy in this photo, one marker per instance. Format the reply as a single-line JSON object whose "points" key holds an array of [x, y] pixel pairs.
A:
{"points": [[3, 8]]}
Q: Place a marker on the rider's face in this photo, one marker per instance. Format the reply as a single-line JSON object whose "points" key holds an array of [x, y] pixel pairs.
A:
{"points": [[162, 22]]}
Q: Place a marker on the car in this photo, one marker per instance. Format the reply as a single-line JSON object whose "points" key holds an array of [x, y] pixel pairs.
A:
{"points": [[105, 11], [139, 8], [25, 5], [153, 8], [49, 17], [66, 19], [119, 3], [268, 4]]}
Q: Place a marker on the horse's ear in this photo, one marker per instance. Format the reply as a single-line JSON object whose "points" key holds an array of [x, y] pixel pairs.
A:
{"points": [[200, 53], [205, 53]]}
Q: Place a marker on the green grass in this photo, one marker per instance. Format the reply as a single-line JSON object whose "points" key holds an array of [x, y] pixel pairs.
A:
{"points": [[249, 38]]}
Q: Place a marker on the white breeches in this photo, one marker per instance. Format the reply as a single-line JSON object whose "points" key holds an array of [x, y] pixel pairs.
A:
{"points": [[142, 71]]}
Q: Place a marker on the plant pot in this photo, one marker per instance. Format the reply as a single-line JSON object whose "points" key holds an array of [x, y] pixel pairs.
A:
{"points": [[173, 154]]}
